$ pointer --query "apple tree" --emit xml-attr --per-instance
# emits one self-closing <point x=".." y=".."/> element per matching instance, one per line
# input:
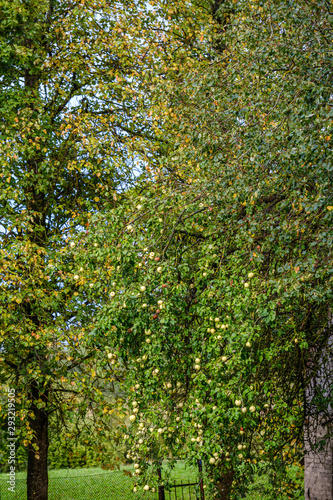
<point x="221" y="293"/>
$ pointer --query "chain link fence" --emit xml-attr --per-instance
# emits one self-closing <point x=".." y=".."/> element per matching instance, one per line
<point x="88" y="484"/>
<point x="113" y="485"/>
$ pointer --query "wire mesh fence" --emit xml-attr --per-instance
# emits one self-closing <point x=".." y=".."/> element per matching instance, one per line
<point x="91" y="484"/>
<point x="182" y="491"/>
<point x="113" y="485"/>
<point x="190" y="489"/>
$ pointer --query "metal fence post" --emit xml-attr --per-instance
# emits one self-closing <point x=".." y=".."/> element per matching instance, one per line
<point x="161" y="494"/>
<point x="202" y="493"/>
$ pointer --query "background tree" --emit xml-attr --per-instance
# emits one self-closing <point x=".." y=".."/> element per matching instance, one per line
<point x="70" y="123"/>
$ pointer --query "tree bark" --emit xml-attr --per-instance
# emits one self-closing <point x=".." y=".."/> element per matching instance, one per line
<point x="318" y="460"/>
<point x="37" y="479"/>
<point x="224" y="485"/>
<point x="318" y="470"/>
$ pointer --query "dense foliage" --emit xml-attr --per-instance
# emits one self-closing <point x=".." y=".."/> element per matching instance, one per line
<point x="74" y="116"/>
<point x="221" y="289"/>
<point x="166" y="213"/>
<point x="69" y="125"/>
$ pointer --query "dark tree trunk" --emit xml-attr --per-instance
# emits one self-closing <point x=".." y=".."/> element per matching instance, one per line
<point x="37" y="480"/>
<point x="224" y="485"/>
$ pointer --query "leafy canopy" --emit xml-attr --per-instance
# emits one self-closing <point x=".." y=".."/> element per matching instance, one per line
<point x="222" y="285"/>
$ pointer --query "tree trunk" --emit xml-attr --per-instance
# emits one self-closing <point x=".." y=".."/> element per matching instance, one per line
<point x="318" y="470"/>
<point x="318" y="460"/>
<point x="224" y="485"/>
<point x="37" y="480"/>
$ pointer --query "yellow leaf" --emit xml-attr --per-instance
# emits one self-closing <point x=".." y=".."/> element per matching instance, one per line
<point x="330" y="208"/>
